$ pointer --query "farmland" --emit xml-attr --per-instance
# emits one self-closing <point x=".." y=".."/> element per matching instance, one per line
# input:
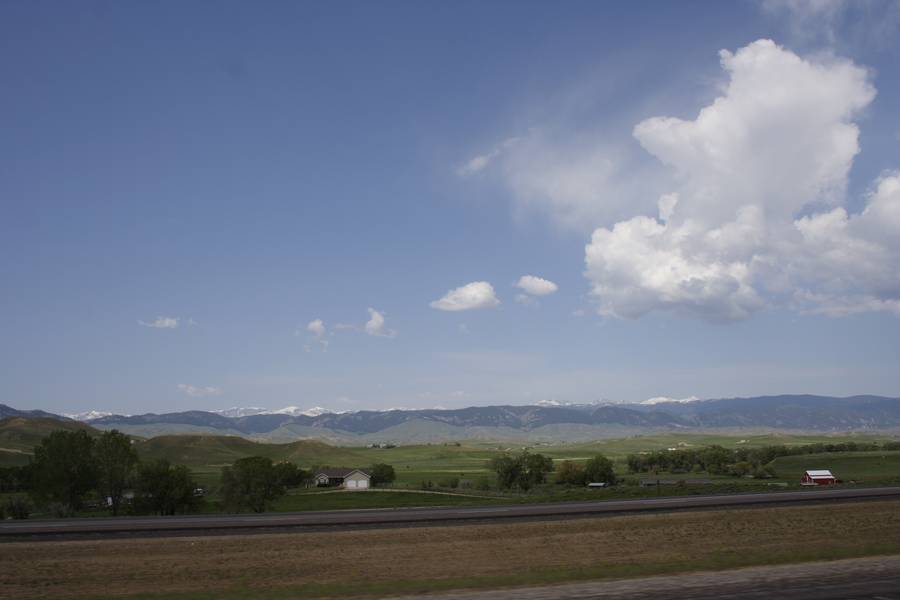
<point x="412" y="560"/>
<point x="206" y="455"/>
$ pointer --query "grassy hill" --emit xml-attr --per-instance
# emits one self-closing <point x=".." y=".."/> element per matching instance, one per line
<point x="207" y="454"/>
<point x="19" y="436"/>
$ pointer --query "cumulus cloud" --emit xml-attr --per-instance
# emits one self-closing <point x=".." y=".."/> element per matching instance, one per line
<point x="161" y="323"/>
<point x="478" y="294"/>
<point x="758" y="212"/>
<point x="536" y="286"/>
<point x="319" y="332"/>
<point x="316" y="327"/>
<point x="375" y="325"/>
<point x="198" y="391"/>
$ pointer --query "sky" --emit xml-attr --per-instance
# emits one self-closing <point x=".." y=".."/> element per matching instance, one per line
<point x="402" y="204"/>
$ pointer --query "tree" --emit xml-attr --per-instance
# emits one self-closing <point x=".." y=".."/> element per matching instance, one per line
<point x="254" y="482"/>
<point x="164" y="489"/>
<point x="64" y="469"/>
<point x="382" y="474"/>
<point x="523" y="470"/>
<point x="290" y="475"/>
<point x="570" y="473"/>
<point x="599" y="470"/>
<point x="116" y="460"/>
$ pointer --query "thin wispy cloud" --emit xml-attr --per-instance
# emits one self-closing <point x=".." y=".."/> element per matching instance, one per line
<point x="195" y="391"/>
<point x="161" y="323"/>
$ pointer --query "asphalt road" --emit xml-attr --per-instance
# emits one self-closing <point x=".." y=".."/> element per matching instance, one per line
<point x="400" y="517"/>
<point x="876" y="578"/>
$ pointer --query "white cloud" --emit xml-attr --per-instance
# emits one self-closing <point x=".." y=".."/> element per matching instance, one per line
<point x="478" y="294"/>
<point x="375" y="325"/>
<point x="199" y="391"/>
<point x="536" y="286"/>
<point x="480" y="162"/>
<point x="162" y="323"/>
<point x="757" y="216"/>
<point x="579" y="182"/>
<point x="839" y="23"/>
<point x="316" y="327"/>
<point x="319" y="332"/>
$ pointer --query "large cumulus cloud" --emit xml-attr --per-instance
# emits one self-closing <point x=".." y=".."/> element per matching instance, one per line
<point x="758" y="215"/>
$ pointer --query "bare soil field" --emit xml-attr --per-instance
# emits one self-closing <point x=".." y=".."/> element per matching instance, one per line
<point x="420" y="559"/>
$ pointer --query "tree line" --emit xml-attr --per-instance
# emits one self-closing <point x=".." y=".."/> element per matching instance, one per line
<point x="523" y="471"/>
<point x="72" y="471"/>
<point x="71" y="467"/>
<point x="739" y="461"/>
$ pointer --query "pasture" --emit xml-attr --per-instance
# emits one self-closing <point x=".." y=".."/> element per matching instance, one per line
<point x="862" y="467"/>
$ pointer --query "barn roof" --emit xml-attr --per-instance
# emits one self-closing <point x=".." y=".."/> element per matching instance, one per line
<point x="819" y="473"/>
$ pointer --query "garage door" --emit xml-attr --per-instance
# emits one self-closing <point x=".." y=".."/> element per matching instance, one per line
<point x="351" y="483"/>
<point x="363" y="484"/>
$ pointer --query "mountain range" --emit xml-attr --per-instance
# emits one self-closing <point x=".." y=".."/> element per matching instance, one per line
<point x="549" y="422"/>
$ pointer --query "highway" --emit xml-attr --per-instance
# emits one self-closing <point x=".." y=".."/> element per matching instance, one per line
<point x="100" y="527"/>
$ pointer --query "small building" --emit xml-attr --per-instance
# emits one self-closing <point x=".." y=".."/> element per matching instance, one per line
<point x="351" y="479"/>
<point x="818" y="477"/>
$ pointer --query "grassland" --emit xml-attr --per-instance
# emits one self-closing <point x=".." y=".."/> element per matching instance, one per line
<point x="394" y="561"/>
<point x="862" y="467"/>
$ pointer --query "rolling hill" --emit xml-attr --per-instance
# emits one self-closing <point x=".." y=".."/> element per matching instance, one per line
<point x="569" y="423"/>
<point x="19" y="435"/>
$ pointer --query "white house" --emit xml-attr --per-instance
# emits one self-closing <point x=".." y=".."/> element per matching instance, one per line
<point x="351" y="479"/>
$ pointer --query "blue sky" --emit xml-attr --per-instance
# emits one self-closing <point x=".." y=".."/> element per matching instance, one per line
<point x="218" y="204"/>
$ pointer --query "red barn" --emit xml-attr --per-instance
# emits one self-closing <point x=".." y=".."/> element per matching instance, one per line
<point x="823" y="477"/>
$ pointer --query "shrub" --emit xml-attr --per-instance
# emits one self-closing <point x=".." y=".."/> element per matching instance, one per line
<point x="382" y="474"/>
<point x="17" y="507"/>
<point x="570" y="473"/>
<point x="60" y="510"/>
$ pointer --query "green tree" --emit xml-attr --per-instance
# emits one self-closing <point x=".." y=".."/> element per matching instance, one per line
<point x="116" y="460"/>
<point x="290" y="475"/>
<point x="164" y="489"/>
<point x="252" y="483"/>
<point x="382" y="473"/>
<point x="599" y="469"/>
<point x="64" y="469"/>
<point x="570" y="473"/>
<point x="523" y="470"/>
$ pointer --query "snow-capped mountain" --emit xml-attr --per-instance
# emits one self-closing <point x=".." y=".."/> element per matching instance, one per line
<point x="667" y="400"/>
<point x="292" y="411"/>
<point x="239" y="411"/>
<point x="296" y="411"/>
<point x="88" y="415"/>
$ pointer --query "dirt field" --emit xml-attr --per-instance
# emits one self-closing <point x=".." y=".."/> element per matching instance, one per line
<point x="404" y="561"/>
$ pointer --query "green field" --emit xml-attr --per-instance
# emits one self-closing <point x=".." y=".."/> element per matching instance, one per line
<point x="435" y="465"/>
<point x="862" y="467"/>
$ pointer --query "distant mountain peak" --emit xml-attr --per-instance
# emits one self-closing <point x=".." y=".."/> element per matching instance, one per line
<point x="667" y="400"/>
<point x="241" y="411"/>
<point x="88" y="415"/>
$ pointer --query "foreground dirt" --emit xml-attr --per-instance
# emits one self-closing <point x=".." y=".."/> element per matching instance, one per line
<point x="411" y="560"/>
<point x="858" y="578"/>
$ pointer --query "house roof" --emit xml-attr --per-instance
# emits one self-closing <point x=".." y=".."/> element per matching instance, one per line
<point x="341" y="472"/>
<point x="820" y="473"/>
